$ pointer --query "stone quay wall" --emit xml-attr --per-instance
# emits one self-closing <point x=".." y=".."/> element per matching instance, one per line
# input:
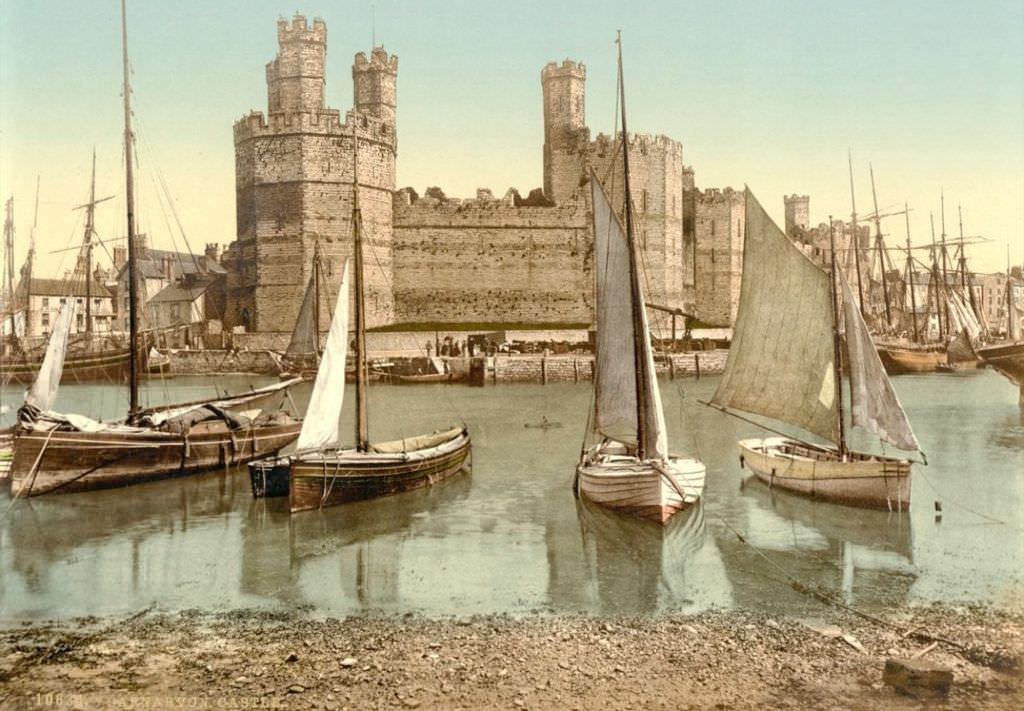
<point x="579" y="368"/>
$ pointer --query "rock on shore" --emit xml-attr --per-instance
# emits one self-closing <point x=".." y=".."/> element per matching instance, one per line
<point x="727" y="659"/>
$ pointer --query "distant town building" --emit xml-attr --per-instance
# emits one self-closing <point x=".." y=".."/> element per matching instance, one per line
<point x="45" y="297"/>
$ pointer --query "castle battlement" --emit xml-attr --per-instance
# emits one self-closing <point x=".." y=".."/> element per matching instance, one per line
<point x="379" y="62"/>
<point x="298" y="30"/>
<point x="719" y="196"/>
<point x="326" y="121"/>
<point x="796" y="198"/>
<point x="568" y="68"/>
<point x="642" y="142"/>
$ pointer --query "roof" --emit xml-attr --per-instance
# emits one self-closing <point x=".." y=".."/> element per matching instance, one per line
<point x="67" y="287"/>
<point x="176" y="292"/>
<point x="151" y="266"/>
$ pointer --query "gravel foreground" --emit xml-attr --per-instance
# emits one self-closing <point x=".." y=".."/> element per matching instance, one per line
<point x="723" y="659"/>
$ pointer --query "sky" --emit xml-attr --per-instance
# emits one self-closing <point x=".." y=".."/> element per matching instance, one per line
<point x="770" y="94"/>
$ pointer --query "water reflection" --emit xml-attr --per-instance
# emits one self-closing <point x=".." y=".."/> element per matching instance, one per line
<point x="864" y="555"/>
<point x="510" y="537"/>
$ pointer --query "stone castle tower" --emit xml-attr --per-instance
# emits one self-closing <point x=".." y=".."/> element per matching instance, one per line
<point x="294" y="171"/>
<point x="565" y="129"/>
<point x="798" y="214"/>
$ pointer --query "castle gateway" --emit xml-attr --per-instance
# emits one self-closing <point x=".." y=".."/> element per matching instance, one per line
<point x="433" y="260"/>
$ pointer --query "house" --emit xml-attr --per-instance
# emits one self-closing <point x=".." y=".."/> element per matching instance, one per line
<point x="159" y="269"/>
<point x="45" y="297"/>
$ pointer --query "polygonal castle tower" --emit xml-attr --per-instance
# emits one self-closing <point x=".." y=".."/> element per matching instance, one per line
<point x="294" y="190"/>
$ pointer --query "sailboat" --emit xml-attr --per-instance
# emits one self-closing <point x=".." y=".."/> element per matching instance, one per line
<point x="61" y="453"/>
<point x="90" y="356"/>
<point x="785" y="363"/>
<point x="321" y="472"/>
<point x="1008" y="356"/>
<point x="302" y="355"/>
<point x="630" y="467"/>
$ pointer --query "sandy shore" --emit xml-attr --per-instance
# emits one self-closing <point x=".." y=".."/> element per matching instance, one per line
<point x="730" y="659"/>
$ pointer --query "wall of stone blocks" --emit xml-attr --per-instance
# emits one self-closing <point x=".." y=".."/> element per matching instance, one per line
<point x="485" y="261"/>
<point x="718" y="253"/>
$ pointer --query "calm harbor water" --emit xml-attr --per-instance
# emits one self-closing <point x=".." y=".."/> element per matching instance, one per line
<point x="510" y="537"/>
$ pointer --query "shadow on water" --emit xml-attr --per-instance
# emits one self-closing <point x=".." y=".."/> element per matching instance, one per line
<point x="865" y="557"/>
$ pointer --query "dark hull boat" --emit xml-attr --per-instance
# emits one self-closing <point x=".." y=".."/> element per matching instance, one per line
<point x="57" y="461"/>
<point x="93" y="366"/>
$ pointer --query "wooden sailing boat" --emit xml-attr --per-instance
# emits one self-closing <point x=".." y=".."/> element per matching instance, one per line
<point x="89" y="356"/>
<point x="1008" y="357"/>
<point x="785" y="363"/>
<point x="321" y="473"/>
<point x="59" y="453"/>
<point x="629" y="468"/>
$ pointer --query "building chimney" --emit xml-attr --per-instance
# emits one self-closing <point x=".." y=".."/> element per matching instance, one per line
<point x="169" y="268"/>
<point x="120" y="258"/>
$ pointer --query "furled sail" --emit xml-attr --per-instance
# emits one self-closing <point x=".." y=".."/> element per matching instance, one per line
<point x="781" y="361"/>
<point x="320" y="426"/>
<point x="303" y="341"/>
<point x="43" y="392"/>
<point x="616" y="379"/>
<point x="873" y="401"/>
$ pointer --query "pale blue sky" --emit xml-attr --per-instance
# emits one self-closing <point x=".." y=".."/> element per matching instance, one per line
<point x="771" y="94"/>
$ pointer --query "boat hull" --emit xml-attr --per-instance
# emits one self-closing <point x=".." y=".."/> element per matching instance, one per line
<point x="901" y="361"/>
<point x="102" y="366"/>
<point x="66" y="462"/>
<point x="867" y="481"/>
<point x="1007" y="358"/>
<point x="652" y="489"/>
<point x="6" y="454"/>
<point x="333" y="478"/>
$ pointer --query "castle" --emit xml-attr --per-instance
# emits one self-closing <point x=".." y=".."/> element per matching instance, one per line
<point x="434" y="260"/>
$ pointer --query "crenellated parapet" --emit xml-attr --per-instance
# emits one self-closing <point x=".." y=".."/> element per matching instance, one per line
<point x="374" y="84"/>
<point x="568" y="69"/>
<point x="719" y="196"/>
<point x="300" y="31"/>
<point x="326" y="123"/>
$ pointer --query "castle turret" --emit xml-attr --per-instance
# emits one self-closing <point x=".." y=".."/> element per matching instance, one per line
<point x="295" y="79"/>
<point x="565" y="133"/>
<point x="797" y="214"/>
<point x="373" y="82"/>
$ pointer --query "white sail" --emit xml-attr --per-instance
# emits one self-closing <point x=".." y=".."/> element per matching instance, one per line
<point x="43" y="392"/>
<point x="616" y="386"/>
<point x="873" y="401"/>
<point x="781" y="361"/>
<point x="320" y="426"/>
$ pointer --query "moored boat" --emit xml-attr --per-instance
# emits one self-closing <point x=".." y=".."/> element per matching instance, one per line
<point x="785" y="363"/>
<point x="61" y="453"/>
<point x="628" y="466"/>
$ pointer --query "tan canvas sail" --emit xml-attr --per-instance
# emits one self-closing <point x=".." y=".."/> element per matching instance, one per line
<point x="320" y="426"/>
<point x="43" y="392"/>
<point x="781" y="362"/>
<point x="873" y="401"/>
<point x="303" y="341"/>
<point x="616" y="387"/>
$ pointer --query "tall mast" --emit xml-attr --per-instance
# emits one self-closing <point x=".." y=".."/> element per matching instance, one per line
<point x="965" y="276"/>
<point x="26" y="271"/>
<point x="880" y="248"/>
<point x="836" y="354"/>
<point x="90" y="215"/>
<point x="316" y="301"/>
<point x="362" y="436"/>
<point x="910" y="277"/>
<point x="855" y="240"/>
<point x="129" y="179"/>
<point x="639" y="355"/>
<point x="934" y="278"/>
<point x="945" y="259"/>
<point x="9" y="252"/>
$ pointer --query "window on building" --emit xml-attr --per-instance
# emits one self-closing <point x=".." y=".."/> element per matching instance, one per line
<point x="45" y="318"/>
<point x="62" y="299"/>
<point x="46" y="302"/>
<point x="96" y="303"/>
<point x="79" y="302"/>
<point x="80" y="321"/>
